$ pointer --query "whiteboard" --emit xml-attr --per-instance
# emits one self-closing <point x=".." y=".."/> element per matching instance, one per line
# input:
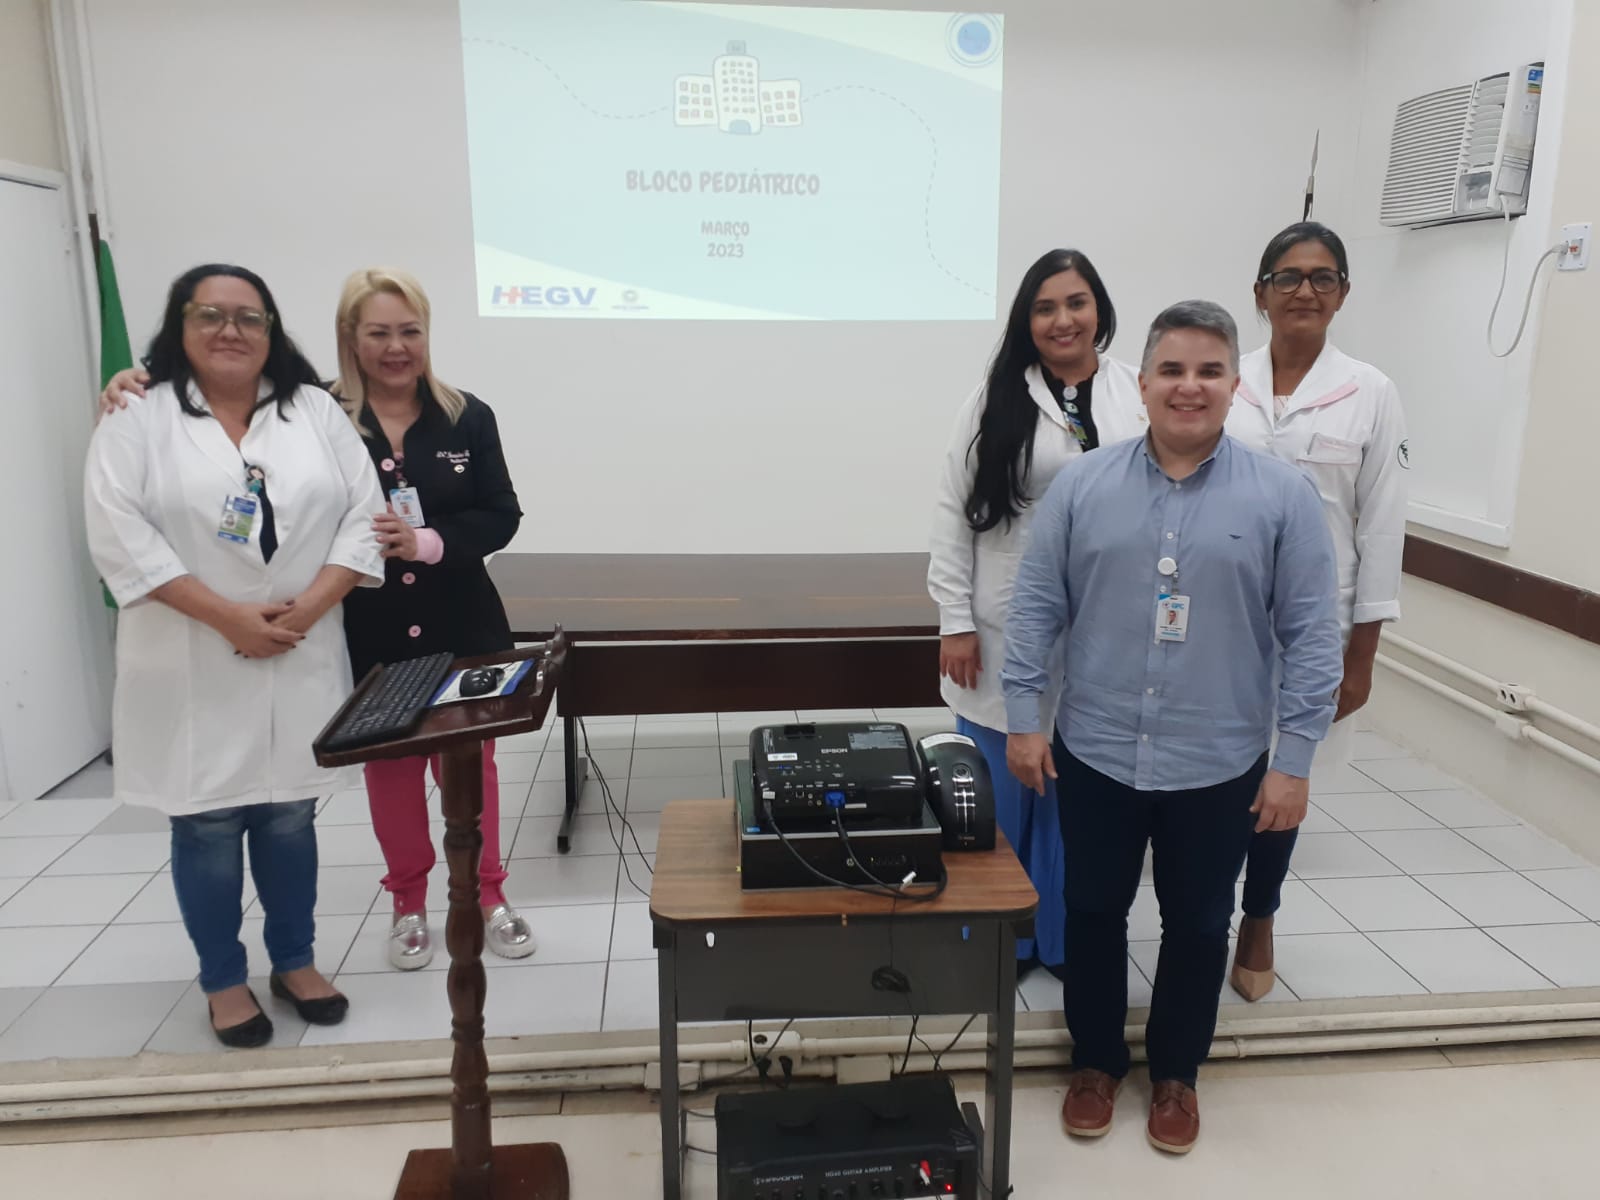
<point x="55" y="650"/>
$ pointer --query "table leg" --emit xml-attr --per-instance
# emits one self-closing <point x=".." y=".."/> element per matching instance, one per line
<point x="576" y="773"/>
<point x="671" y="1119"/>
<point x="999" y="1050"/>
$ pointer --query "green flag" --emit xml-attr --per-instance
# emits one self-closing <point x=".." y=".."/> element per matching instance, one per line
<point x="115" y="352"/>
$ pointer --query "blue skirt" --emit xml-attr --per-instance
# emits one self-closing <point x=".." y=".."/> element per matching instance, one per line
<point x="1033" y="827"/>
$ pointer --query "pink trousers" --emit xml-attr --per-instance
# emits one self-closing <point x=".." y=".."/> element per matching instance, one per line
<point x="398" y="796"/>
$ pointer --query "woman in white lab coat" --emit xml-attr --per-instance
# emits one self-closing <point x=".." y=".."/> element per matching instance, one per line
<point x="1340" y="421"/>
<point x="230" y="511"/>
<point x="1050" y="396"/>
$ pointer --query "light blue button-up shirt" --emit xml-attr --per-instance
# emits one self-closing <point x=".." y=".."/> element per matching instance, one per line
<point x="1254" y="557"/>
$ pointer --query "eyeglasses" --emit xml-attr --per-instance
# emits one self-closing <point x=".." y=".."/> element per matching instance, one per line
<point x="1287" y="282"/>
<point x="250" y="322"/>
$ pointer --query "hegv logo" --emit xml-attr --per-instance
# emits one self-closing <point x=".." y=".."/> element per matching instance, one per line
<point x="523" y="296"/>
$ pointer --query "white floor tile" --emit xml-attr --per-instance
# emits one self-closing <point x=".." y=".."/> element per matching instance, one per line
<point x="348" y="846"/>
<point x="91" y="1022"/>
<point x="1391" y="903"/>
<point x="632" y="996"/>
<point x="1578" y="886"/>
<point x="663" y="732"/>
<point x="1042" y="990"/>
<point x="1459" y="960"/>
<point x="71" y="900"/>
<point x="617" y="735"/>
<point x="1365" y="745"/>
<point x="527" y="743"/>
<point x="1524" y="849"/>
<point x="134" y="818"/>
<point x="1144" y="918"/>
<point x="7" y="807"/>
<point x="549" y="998"/>
<point x="549" y="798"/>
<point x="613" y="765"/>
<point x="632" y="932"/>
<point x="1410" y="775"/>
<point x="107" y="853"/>
<point x="1341" y="779"/>
<point x="1430" y="851"/>
<point x="1364" y="811"/>
<point x="679" y="762"/>
<point x="592" y="833"/>
<point x="1146" y="957"/>
<point x="1502" y="898"/>
<point x="1337" y="855"/>
<point x="652" y="795"/>
<point x="187" y="1028"/>
<point x="1567" y="954"/>
<point x="135" y="954"/>
<point x="10" y="887"/>
<point x="157" y="902"/>
<point x="390" y="1007"/>
<point x="14" y="1001"/>
<point x="36" y="957"/>
<point x="1460" y="809"/>
<point x="25" y="857"/>
<point x="341" y="891"/>
<point x="565" y="879"/>
<point x="345" y="808"/>
<point x="1318" y="821"/>
<point x="1303" y="911"/>
<point x="516" y="768"/>
<point x="94" y="782"/>
<point x="1326" y="966"/>
<point x="56" y="818"/>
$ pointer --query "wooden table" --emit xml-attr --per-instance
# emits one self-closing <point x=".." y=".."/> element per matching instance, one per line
<point x="672" y="633"/>
<point x="727" y="954"/>
<point x="473" y="1168"/>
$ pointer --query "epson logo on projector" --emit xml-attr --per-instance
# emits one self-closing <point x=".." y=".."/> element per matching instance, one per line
<point x="541" y="297"/>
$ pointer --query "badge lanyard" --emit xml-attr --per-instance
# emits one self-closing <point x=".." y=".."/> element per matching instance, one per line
<point x="405" y="499"/>
<point x="1069" y="411"/>
<point x="1172" y="609"/>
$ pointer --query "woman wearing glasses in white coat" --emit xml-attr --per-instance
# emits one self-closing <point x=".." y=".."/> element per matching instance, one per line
<point x="1051" y="395"/>
<point x="1340" y="421"/>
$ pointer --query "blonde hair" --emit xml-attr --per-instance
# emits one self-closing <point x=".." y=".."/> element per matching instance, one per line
<point x="351" y="386"/>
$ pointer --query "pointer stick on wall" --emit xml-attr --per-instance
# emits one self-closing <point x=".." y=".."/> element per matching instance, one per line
<point x="1311" y="180"/>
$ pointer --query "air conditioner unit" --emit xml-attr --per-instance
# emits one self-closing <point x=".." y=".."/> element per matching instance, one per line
<point x="1463" y="153"/>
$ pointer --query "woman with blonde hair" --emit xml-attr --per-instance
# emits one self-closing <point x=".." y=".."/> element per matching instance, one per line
<point x="437" y="453"/>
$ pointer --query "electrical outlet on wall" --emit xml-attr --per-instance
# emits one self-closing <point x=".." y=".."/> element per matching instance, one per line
<point x="1514" y="696"/>
<point x="1575" y="247"/>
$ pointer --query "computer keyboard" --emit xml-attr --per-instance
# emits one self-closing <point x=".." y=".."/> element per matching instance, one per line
<point x="393" y="705"/>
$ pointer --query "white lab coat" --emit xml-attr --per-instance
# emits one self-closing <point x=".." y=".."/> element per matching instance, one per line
<point x="194" y="726"/>
<point x="970" y="576"/>
<point x="1344" y="427"/>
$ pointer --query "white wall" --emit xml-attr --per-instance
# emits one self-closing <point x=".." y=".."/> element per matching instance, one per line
<point x="28" y="132"/>
<point x="1161" y="136"/>
<point x="1421" y="297"/>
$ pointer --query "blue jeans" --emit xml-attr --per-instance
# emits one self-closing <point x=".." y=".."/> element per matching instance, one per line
<point x="1198" y="840"/>
<point x="208" y="875"/>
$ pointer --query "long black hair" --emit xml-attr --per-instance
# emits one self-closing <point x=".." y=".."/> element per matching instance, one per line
<point x="1004" y="442"/>
<point x="166" y="361"/>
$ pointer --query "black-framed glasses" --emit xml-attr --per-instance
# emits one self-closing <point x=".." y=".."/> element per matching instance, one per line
<point x="208" y="319"/>
<point x="1324" y="280"/>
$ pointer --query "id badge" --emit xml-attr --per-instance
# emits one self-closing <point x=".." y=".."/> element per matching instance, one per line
<point x="1172" y="619"/>
<point x="238" y="519"/>
<point x="407" y="506"/>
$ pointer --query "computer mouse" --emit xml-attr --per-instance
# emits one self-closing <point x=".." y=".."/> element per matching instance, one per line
<point x="480" y="681"/>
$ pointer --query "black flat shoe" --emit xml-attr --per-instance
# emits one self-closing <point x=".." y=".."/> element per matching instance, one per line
<point x="324" y="1010"/>
<point x="246" y="1035"/>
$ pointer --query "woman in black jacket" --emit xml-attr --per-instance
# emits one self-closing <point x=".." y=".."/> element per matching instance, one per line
<point x="437" y="451"/>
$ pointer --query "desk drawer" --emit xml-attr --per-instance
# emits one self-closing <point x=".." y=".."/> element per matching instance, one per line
<point x="818" y="969"/>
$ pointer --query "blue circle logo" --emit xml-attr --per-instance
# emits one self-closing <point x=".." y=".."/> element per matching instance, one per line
<point x="973" y="38"/>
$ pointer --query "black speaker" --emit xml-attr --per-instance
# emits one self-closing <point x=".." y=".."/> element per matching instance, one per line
<point x="960" y="790"/>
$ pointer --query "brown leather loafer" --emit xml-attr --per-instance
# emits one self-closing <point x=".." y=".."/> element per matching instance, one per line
<point x="1253" y="975"/>
<point x="1091" y="1095"/>
<point x="1174" y="1124"/>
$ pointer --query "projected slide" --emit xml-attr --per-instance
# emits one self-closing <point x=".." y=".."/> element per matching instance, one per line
<point x="643" y="159"/>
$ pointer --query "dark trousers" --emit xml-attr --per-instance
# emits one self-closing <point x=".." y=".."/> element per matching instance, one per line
<point x="1265" y="870"/>
<point x="1199" y="839"/>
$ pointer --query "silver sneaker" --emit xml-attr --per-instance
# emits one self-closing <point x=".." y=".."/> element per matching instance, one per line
<point x="508" y="934"/>
<point x="410" y="947"/>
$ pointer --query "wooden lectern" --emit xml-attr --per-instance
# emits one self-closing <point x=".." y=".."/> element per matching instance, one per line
<point x="473" y="1168"/>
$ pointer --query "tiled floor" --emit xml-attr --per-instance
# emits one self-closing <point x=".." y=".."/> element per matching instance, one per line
<point x="1405" y="883"/>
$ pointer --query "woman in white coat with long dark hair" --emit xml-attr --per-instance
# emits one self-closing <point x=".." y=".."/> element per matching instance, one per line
<point x="1051" y="395"/>
<point x="230" y="511"/>
<point x="1338" y="419"/>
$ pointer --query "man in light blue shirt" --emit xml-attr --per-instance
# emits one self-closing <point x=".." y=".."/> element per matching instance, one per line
<point x="1193" y="583"/>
